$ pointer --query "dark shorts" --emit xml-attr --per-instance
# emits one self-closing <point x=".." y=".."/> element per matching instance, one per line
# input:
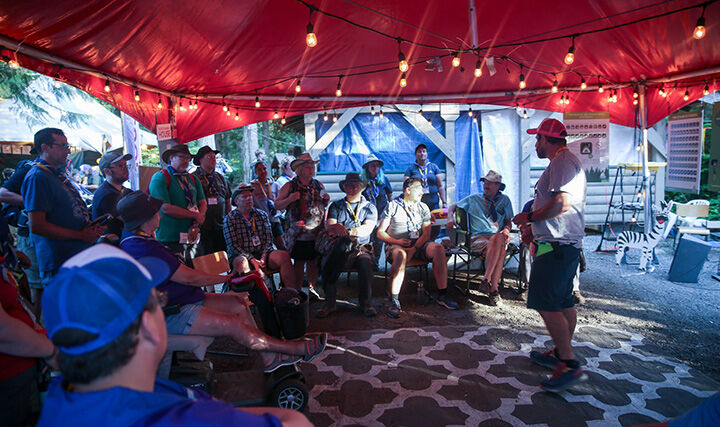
<point x="304" y="250"/>
<point x="277" y="229"/>
<point x="551" y="279"/>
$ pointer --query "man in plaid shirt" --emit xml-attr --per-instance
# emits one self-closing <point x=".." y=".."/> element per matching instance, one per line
<point x="249" y="239"/>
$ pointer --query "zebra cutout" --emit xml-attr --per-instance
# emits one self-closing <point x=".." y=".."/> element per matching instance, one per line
<point x="645" y="242"/>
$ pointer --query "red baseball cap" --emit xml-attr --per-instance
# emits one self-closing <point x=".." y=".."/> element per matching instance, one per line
<point x="550" y="127"/>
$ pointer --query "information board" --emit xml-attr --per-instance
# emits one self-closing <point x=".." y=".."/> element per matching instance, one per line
<point x="684" y="151"/>
<point x="588" y="138"/>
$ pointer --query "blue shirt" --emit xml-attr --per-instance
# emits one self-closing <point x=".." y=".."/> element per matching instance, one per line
<point x="479" y="211"/>
<point x="378" y="193"/>
<point x="169" y="404"/>
<point x="49" y="190"/>
<point x="427" y="175"/>
<point x="352" y="215"/>
<point x="140" y="247"/>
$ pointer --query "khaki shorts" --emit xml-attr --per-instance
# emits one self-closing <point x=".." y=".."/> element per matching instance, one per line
<point x="419" y="254"/>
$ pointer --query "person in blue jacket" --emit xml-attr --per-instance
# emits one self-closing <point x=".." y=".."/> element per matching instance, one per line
<point x="103" y="313"/>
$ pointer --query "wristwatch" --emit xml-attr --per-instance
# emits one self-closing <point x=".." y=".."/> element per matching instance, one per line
<point x="529" y="216"/>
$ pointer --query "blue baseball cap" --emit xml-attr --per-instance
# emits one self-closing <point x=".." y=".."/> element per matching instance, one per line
<point x="102" y="291"/>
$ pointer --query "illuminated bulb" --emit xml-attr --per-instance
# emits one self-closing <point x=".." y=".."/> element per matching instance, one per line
<point x="583" y="85"/>
<point x="429" y="120"/>
<point x="237" y="115"/>
<point x="338" y="91"/>
<point x="182" y="107"/>
<point x="276" y="115"/>
<point x="402" y="63"/>
<point x="195" y="106"/>
<point x="567" y="99"/>
<point x="470" y="112"/>
<point x="525" y="114"/>
<point x="227" y="113"/>
<point x="522" y="81"/>
<point x="283" y="121"/>
<point x="137" y="96"/>
<point x="561" y="100"/>
<point x="478" y="68"/>
<point x="456" y="59"/>
<point x="687" y="95"/>
<point x="257" y="102"/>
<point x="107" y="85"/>
<point x="609" y="98"/>
<point x="297" y="87"/>
<point x="420" y="112"/>
<point x="334" y="118"/>
<point x="372" y="110"/>
<point x="325" y="117"/>
<point x="225" y="107"/>
<point x="706" y="90"/>
<point x="474" y="119"/>
<point x="57" y="82"/>
<point x="662" y="92"/>
<point x="518" y="109"/>
<point x="635" y="93"/>
<point x="699" y="31"/>
<point x="615" y="97"/>
<point x="635" y="102"/>
<point x="311" y="38"/>
<point x="555" y="86"/>
<point x="570" y="57"/>
<point x="13" y="64"/>
<point x="381" y="113"/>
<point x="600" y="88"/>
<point x="638" y="147"/>
<point x="160" y="106"/>
<point x="403" y="80"/>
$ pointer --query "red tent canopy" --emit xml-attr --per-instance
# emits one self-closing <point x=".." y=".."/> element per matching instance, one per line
<point x="188" y="51"/>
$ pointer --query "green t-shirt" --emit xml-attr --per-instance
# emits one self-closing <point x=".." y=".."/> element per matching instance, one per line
<point x="170" y="228"/>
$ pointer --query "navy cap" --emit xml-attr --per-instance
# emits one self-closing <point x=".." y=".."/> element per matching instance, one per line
<point x="102" y="291"/>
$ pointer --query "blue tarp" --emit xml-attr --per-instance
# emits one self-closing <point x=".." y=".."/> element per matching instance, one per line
<point x="393" y="140"/>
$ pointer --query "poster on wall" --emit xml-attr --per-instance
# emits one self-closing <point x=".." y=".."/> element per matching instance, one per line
<point x="684" y="151"/>
<point x="588" y="138"/>
<point x="714" y="161"/>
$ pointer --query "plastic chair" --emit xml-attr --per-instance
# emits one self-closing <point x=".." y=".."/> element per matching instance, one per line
<point x="688" y="219"/>
<point x="215" y="263"/>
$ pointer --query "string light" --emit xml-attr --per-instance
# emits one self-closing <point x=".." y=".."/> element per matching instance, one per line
<point x="257" y="102"/>
<point x="429" y="120"/>
<point x="137" y="95"/>
<point x="297" y="87"/>
<point x="310" y="38"/>
<point x="706" y="90"/>
<point x="325" y="116"/>
<point x="107" y="85"/>
<point x="160" y="104"/>
<point x="195" y="106"/>
<point x="403" y="80"/>
<point x="699" y="31"/>
<point x="517" y="108"/>
<point x="381" y="112"/>
<point x="338" y="91"/>
<point x="225" y="107"/>
<point x="334" y="118"/>
<point x="555" y="85"/>
<point x="525" y="114"/>
<point x="478" y="68"/>
<point x="402" y="62"/>
<point x="583" y="85"/>
<point x="570" y="56"/>
<point x="635" y="93"/>
<point x="456" y="59"/>
<point x="283" y="121"/>
<point x="227" y="113"/>
<point x="372" y="110"/>
<point x="474" y="119"/>
<point x="276" y="115"/>
<point x="420" y="112"/>
<point x="182" y="107"/>
<point x="57" y="81"/>
<point x="615" y="96"/>
<point x="567" y="99"/>
<point x="662" y="92"/>
<point x="635" y="102"/>
<point x="237" y="115"/>
<point x="522" y="79"/>
<point x="609" y="97"/>
<point x="687" y="95"/>
<point x="470" y="112"/>
<point x="600" y="87"/>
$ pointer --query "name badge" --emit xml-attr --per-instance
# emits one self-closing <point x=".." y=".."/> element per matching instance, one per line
<point x="184" y="238"/>
<point x="193" y="208"/>
<point x="255" y="241"/>
<point x="426" y="190"/>
<point x="414" y="234"/>
<point x="212" y="201"/>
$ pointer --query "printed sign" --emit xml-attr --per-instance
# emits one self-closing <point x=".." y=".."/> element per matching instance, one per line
<point x="588" y="138"/>
<point x="684" y="154"/>
<point x="131" y="137"/>
<point x="164" y="132"/>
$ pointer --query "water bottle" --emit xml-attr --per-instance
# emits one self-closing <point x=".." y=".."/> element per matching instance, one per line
<point x="420" y="298"/>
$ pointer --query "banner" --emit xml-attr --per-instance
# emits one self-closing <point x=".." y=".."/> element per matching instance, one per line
<point x="684" y="153"/>
<point x="131" y="138"/>
<point x="713" y="164"/>
<point x="589" y="139"/>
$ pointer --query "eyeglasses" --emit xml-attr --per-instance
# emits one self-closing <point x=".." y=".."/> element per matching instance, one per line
<point x="63" y="146"/>
<point x="184" y="156"/>
<point x="118" y="166"/>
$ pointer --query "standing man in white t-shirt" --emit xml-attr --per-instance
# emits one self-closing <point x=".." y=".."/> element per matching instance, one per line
<point x="558" y="226"/>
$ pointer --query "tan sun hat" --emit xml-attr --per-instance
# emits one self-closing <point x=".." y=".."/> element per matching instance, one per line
<point x="303" y="158"/>
<point x="493" y="176"/>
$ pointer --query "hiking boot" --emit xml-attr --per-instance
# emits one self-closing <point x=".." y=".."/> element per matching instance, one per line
<point x="495" y="298"/>
<point x="325" y="311"/>
<point x="313" y="346"/>
<point x="547" y="359"/>
<point x="563" y="377"/>
<point x="578" y="298"/>
<point x="447" y="302"/>
<point x="394" y="310"/>
<point x="281" y="359"/>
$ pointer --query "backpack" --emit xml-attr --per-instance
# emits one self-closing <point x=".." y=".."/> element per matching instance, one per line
<point x="168" y="179"/>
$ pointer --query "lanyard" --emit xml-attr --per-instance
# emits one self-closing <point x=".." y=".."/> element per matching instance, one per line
<point x="269" y="194"/>
<point x="245" y="220"/>
<point x="355" y="212"/>
<point x="183" y="181"/>
<point x="492" y="208"/>
<point x="65" y="180"/>
<point x="412" y="226"/>
<point x="210" y="181"/>
<point x="423" y="174"/>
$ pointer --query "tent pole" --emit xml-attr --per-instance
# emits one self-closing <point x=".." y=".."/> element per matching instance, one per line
<point x="647" y="207"/>
<point x="473" y="22"/>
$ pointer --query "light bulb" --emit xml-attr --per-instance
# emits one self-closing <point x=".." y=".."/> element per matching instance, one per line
<point x="474" y="119"/>
<point x="196" y="105"/>
<point x="227" y="113"/>
<point x="525" y="114"/>
<point x="706" y="90"/>
<point x="687" y="95"/>
<point x="297" y="87"/>
<point x="372" y="110"/>
<point x="518" y="109"/>
<point x="555" y="86"/>
<point x="561" y="100"/>
<point x="420" y="112"/>
<point x="13" y="64"/>
<point x="699" y="31"/>
<point x="311" y="38"/>
<point x="635" y="93"/>
<point x="583" y="85"/>
<point x="403" y="80"/>
<point x="470" y="112"/>
<point x="160" y="105"/>
<point x="615" y="97"/>
<point x="338" y="91"/>
<point x="237" y="115"/>
<point x="57" y="82"/>
<point x="334" y="118"/>
<point x="107" y="85"/>
<point x="137" y="96"/>
<point x="276" y="115"/>
<point x="635" y="102"/>
<point x="325" y="117"/>
<point x="381" y="113"/>
<point x="456" y="60"/>
<point x="478" y="68"/>
<point x="283" y="121"/>
<point x="182" y="107"/>
<point x="570" y="57"/>
<point x="662" y="92"/>
<point x="522" y="81"/>
<point x="567" y="99"/>
<point x="429" y="120"/>
<point x="600" y="88"/>
<point x="257" y="102"/>
<point x="402" y="63"/>
<point x="225" y="107"/>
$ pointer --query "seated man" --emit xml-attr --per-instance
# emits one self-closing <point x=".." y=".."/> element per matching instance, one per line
<point x="352" y="218"/>
<point x="249" y="239"/>
<point x="104" y="315"/>
<point x="195" y="312"/>
<point x="405" y="228"/>
<point x="490" y="221"/>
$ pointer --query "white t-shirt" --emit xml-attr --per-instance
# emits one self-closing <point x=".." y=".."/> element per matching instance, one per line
<point x="564" y="175"/>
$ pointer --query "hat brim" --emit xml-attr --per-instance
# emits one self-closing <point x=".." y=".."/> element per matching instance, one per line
<point x="502" y="185"/>
<point x="373" y="160"/>
<point x="297" y="162"/>
<point x="532" y="131"/>
<point x="198" y="157"/>
<point x="341" y="184"/>
<point x="237" y="192"/>
<point x="171" y="151"/>
<point x="155" y="205"/>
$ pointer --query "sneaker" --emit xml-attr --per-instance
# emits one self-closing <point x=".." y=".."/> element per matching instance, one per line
<point x="368" y="311"/>
<point x="547" y="359"/>
<point x="313" y="346"/>
<point x="394" y="309"/>
<point x="495" y="299"/>
<point x="281" y="359"/>
<point x="325" y="311"/>
<point x="579" y="299"/>
<point x="564" y="377"/>
<point x="447" y="302"/>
